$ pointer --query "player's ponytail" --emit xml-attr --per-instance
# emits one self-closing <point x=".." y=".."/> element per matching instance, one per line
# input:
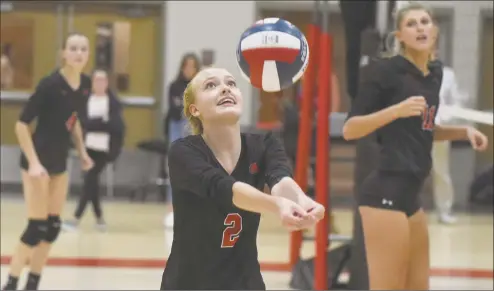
<point x="195" y="123"/>
<point x="433" y="53"/>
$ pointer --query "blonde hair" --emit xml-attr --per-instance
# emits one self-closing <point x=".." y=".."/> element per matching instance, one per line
<point x="195" y="124"/>
<point x="399" y="47"/>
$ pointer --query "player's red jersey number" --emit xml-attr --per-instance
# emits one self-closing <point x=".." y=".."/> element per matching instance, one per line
<point x="428" y="118"/>
<point x="231" y="234"/>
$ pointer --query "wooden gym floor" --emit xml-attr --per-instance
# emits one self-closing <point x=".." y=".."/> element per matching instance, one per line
<point x="131" y="253"/>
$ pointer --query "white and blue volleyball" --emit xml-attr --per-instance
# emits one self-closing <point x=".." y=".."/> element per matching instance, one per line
<point x="272" y="54"/>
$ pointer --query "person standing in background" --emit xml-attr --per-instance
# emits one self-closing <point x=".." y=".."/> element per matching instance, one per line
<point x="104" y="129"/>
<point x="443" y="187"/>
<point x="175" y="123"/>
<point x="6" y="68"/>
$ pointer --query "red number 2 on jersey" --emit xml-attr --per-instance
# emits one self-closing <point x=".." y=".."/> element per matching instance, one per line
<point x="428" y="118"/>
<point x="231" y="234"/>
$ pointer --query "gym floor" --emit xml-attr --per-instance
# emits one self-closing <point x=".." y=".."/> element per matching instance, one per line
<point x="131" y="253"/>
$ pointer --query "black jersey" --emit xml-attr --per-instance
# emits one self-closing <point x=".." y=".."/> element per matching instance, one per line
<point x="214" y="242"/>
<point x="56" y="106"/>
<point x="405" y="143"/>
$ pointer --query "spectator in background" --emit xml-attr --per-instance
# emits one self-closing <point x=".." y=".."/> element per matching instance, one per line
<point x="175" y="123"/>
<point x="6" y="68"/>
<point x="443" y="186"/>
<point x="104" y="129"/>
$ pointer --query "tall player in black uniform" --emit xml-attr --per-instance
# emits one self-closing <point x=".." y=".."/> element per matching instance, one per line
<point x="217" y="176"/>
<point x="55" y="104"/>
<point x="399" y="101"/>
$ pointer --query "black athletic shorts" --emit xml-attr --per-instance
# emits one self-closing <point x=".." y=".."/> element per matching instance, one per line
<point x="54" y="160"/>
<point x="392" y="190"/>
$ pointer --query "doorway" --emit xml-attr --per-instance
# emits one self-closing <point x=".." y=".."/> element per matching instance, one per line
<point x="125" y="39"/>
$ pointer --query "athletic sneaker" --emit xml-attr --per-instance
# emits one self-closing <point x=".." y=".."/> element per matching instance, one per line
<point x="447" y="218"/>
<point x="70" y="225"/>
<point x="101" y="225"/>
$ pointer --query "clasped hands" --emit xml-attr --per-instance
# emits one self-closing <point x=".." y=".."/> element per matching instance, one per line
<point x="296" y="210"/>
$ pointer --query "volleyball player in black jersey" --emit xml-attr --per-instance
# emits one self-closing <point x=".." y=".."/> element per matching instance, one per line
<point x="399" y="101"/>
<point x="55" y="103"/>
<point x="217" y="175"/>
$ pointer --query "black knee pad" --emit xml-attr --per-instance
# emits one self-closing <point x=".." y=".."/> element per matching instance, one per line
<point x="53" y="228"/>
<point x="35" y="232"/>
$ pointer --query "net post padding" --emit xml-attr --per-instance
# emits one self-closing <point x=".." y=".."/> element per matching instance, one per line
<point x="306" y="121"/>
<point x="321" y="268"/>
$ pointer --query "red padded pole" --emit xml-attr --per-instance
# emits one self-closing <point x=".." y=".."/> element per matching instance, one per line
<point x="305" y="125"/>
<point x="322" y="153"/>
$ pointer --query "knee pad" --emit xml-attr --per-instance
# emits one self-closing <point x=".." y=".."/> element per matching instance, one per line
<point x="53" y="228"/>
<point x="35" y="231"/>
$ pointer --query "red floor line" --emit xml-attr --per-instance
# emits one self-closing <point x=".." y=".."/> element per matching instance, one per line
<point x="274" y="267"/>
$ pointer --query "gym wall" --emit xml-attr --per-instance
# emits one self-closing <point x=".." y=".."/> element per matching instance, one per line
<point x="180" y="26"/>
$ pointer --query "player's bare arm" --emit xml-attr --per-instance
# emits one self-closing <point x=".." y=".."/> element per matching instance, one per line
<point x="477" y="139"/>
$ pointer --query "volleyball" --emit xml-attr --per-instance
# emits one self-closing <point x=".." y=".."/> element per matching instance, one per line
<point x="272" y="54"/>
